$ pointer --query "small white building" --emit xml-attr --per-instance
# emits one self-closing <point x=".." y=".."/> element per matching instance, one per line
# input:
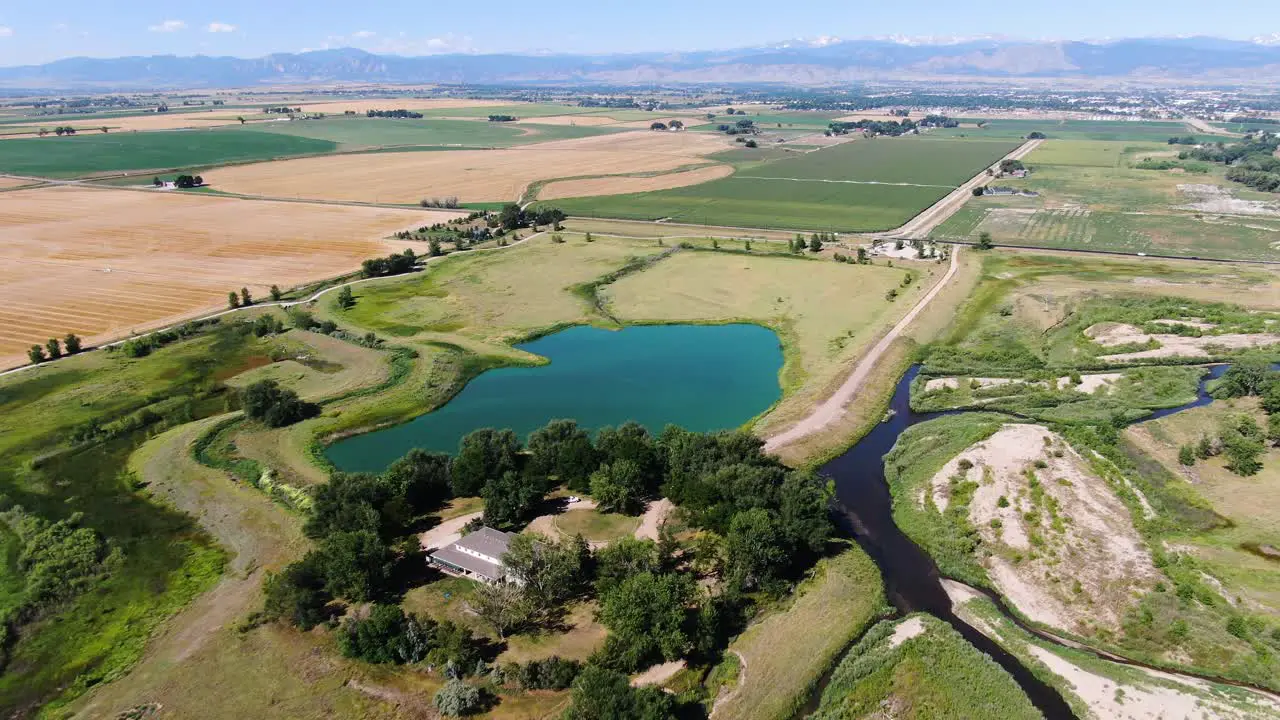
<point x="477" y="555"/>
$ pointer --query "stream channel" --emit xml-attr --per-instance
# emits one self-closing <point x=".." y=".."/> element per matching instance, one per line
<point x="911" y="578"/>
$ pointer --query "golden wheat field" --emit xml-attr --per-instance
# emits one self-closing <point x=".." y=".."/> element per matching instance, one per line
<point x="470" y="175"/>
<point x="104" y="263"/>
<point x="361" y="106"/>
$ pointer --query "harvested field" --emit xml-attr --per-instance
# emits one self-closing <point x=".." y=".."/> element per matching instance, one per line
<point x="423" y="104"/>
<point x="622" y="184"/>
<point x="125" y="261"/>
<point x="568" y="120"/>
<point x="471" y="175"/>
<point x="12" y="182"/>
<point x="142" y="123"/>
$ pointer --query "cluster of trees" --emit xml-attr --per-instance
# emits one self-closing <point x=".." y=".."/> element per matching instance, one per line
<point x="275" y="406"/>
<point x="1008" y="165"/>
<point x="393" y="264"/>
<point x="185" y="182"/>
<point x="514" y="217"/>
<point x="938" y="121"/>
<point x="1254" y="120"/>
<point x="239" y="299"/>
<point x="814" y="244"/>
<point x="59" y="131"/>
<point x="1240" y="438"/>
<point x="503" y="118"/>
<point x="859" y="259"/>
<point x="399" y="114"/>
<point x="281" y="110"/>
<point x="893" y="128"/>
<point x="53" y="349"/>
<point x="1036" y="135"/>
<point x="445" y="202"/>
<point x="1253" y="162"/>
<point x="741" y="127"/>
<point x="1184" y="140"/>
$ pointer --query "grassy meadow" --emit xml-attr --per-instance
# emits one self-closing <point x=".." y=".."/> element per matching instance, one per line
<point x="863" y="185"/>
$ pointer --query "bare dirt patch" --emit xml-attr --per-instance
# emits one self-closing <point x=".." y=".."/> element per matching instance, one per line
<point x="1116" y="334"/>
<point x="620" y="184"/>
<point x="470" y="175"/>
<point x="1090" y="384"/>
<point x="658" y="674"/>
<point x="905" y="630"/>
<point x="1065" y="551"/>
<point x="1217" y="199"/>
<point x="128" y="261"/>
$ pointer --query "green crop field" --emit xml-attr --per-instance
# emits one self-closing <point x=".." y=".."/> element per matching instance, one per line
<point x="117" y="152"/>
<point x="375" y="132"/>
<point x="1122" y="130"/>
<point x="864" y="185"/>
<point x="1091" y="197"/>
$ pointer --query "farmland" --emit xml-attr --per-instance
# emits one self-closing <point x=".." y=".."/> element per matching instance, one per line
<point x="1102" y="130"/>
<point x="1093" y="197"/>
<point x="121" y="264"/>
<point x="98" y="153"/>
<point x="863" y="185"/>
<point x="357" y="132"/>
<point x="472" y="175"/>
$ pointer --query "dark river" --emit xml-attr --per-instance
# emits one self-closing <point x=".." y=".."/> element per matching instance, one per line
<point x="911" y="578"/>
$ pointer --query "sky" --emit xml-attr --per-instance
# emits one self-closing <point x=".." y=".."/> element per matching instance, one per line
<point x="33" y="33"/>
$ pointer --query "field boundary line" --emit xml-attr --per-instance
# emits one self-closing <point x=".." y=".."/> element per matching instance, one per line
<point x="283" y="304"/>
<point x="833" y="408"/>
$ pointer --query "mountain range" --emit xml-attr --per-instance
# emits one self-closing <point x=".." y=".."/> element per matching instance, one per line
<point x="830" y="61"/>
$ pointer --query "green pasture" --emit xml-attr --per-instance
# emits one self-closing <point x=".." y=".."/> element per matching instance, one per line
<point x="1113" y="130"/>
<point x="87" y="154"/>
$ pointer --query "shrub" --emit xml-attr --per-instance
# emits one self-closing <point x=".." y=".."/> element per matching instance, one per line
<point x="457" y="699"/>
<point x="275" y="406"/>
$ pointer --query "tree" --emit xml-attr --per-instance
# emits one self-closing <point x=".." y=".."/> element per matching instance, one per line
<point x="355" y="565"/>
<point x="157" y="182"/>
<point x="803" y="513"/>
<point x="510" y="499"/>
<point x="1035" y="135"/>
<point x="1273" y="429"/>
<point x="658" y="126"/>
<point x="1247" y="376"/>
<point x="511" y="217"/>
<point x="352" y="502"/>
<point x="346" y="300"/>
<point x="979" y="191"/>
<point x="241" y="119"/>
<point x="483" y="455"/>
<point x="504" y="606"/>
<point x="755" y="547"/>
<point x="619" y="487"/>
<point x="623" y="558"/>
<point x="632" y="441"/>
<point x="297" y="594"/>
<point x="376" y="638"/>
<point x="647" y="616"/>
<point x="54" y="347"/>
<point x="245" y="298"/>
<point x="862" y="256"/>
<point x="458" y="699"/>
<point x="815" y="245"/>
<point x="267" y="402"/>
<point x="233" y="300"/>
<point x="984" y="241"/>
<point x="275" y="293"/>
<point x="751" y="144"/>
<point x="549" y="572"/>
<point x="563" y="453"/>
<point x="601" y="694"/>
<point x="36" y="354"/>
<point x="421" y="478"/>
<point x="1187" y="455"/>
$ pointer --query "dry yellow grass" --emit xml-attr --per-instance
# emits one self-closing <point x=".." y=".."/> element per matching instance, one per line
<point x="11" y="182"/>
<point x="138" y="123"/>
<point x="568" y="120"/>
<point x="470" y="175"/>
<point x="105" y="263"/>
<point x="338" y="107"/>
<point x="621" y="184"/>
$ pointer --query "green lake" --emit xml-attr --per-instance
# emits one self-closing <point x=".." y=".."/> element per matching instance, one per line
<point x="700" y="377"/>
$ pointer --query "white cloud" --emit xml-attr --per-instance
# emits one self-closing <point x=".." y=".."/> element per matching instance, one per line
<point x="221" y="27"/>
<point x="363" y="34"/>
<point x="168" y="26"/>
<point x="6" y="31"/>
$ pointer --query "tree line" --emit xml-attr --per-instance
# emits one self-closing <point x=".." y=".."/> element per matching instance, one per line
<point x="761" y="525"/>
<point x="1240" y="437"/>
<point x="398" y="114"/>
<point x="1251" y="162"/>
<point x="54" y="349"/>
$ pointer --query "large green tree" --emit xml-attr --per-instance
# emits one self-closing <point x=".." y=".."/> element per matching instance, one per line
<point x="648" y="619"/>
<point x="483" y="455"/>
<point x="600" y="694"/>
<point x="563" y="453"/>
<point x="511" y="499"/>
<point x="355" y="565"/>
<point x="619" y="487"/>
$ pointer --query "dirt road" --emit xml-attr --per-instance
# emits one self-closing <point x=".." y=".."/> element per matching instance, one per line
<point x="833" y="407"/>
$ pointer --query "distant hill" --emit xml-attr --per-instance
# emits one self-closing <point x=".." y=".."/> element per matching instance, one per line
<point x="1157" y="59"/>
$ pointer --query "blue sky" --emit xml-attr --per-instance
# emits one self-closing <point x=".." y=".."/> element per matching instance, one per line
<point x="39" y="32"/>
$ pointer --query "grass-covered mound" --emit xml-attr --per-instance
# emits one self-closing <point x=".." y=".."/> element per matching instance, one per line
<point x="894" y="672"/>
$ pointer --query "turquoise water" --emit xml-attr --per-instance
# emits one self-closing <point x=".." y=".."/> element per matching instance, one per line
<point x="699" y="377"/>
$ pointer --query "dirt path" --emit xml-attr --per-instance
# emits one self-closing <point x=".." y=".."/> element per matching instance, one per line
<point x="658" y="674"/>
<point x="742" y="680"/>
<point x="653" y="517"/>
<point x="833" y="407"/>
<point x="446" y="532"/>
